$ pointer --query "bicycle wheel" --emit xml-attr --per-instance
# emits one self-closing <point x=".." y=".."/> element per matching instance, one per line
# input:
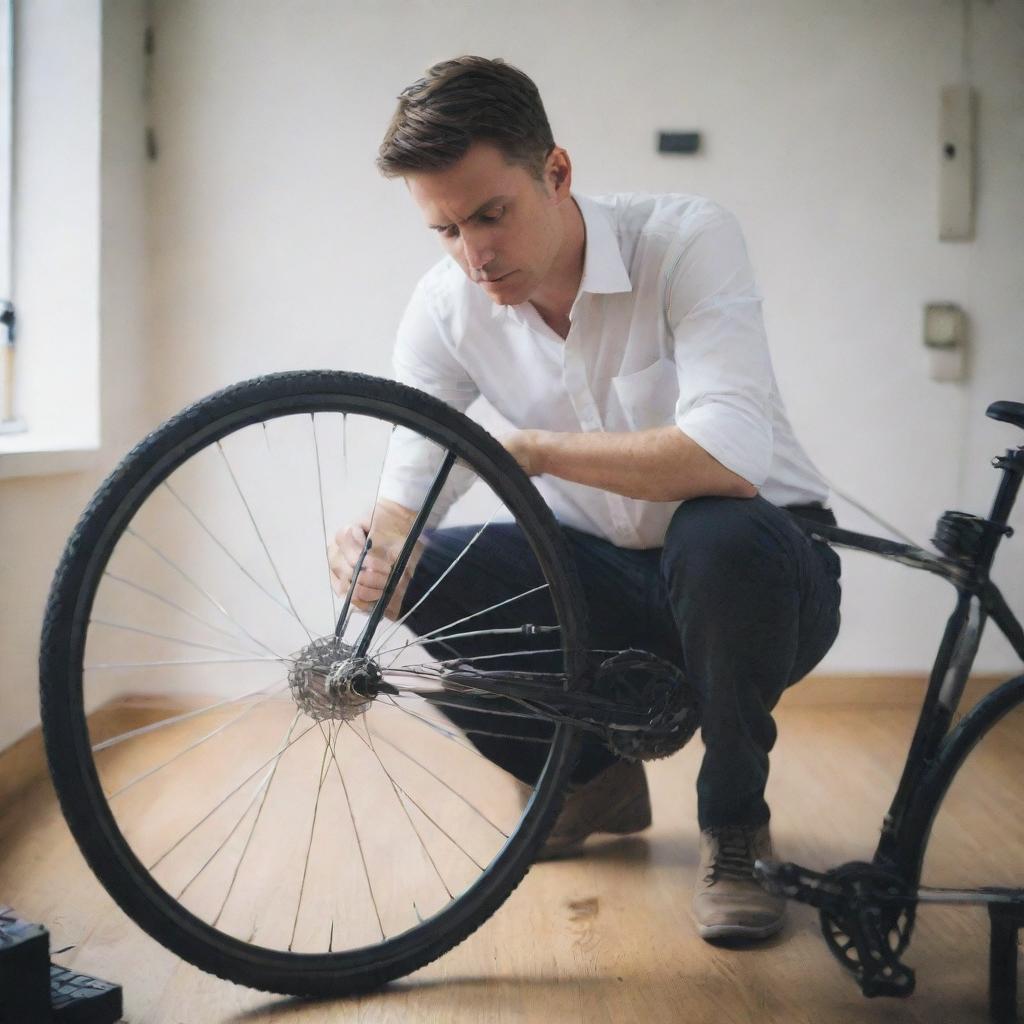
<point x="960" y="781"/>
<point x="254" y="833"/>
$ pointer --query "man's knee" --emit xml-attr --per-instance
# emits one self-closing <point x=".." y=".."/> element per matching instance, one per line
<point x="715" y="542"/>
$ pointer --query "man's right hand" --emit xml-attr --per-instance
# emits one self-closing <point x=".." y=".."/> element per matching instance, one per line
<point x="390" y="527"/>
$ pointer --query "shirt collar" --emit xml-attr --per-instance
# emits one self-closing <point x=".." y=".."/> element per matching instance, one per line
<point x="604" y="273"/>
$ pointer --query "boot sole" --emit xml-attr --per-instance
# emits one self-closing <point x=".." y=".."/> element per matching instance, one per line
<point x="739" y="931"/>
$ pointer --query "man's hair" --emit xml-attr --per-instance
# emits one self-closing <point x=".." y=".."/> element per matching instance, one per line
<point x="462" y="101"/>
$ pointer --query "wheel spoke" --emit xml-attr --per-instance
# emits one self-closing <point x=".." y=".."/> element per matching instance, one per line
<point x="399" y="793"/>
<point x="180" y="608"/>
<point x="182" y="753"/>
<point x="309" y="846"/>
<point x="355" y="830"/>
<point x="224" y="842"/>
<point x="473" y="731"/>
<point x="525" y="630"/>
<point x="265" y="785"/>
<point x="430" y="668"/>
<point x="429" y="818"/>
<point x="165" y="636"/>
<point x="458" y="622"/>
<point x="209" y="814"/>
<point x="174" y="720"/>
<point x="501" y="713"/>
<point x="107" y="665"/>
<point x="283" y="605"/>
<point x="323" y="518"/>
<point x="457" y="660"/>
<point x="398" y="624"/>
<point x="263" y="543"/>
<point x="435" y="776"/>
<point x="188" y="579"/>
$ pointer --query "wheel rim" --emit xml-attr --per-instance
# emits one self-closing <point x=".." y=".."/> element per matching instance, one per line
<point x="195" y="836"/>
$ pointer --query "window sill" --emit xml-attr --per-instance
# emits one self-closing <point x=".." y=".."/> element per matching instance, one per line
<point x="29" y="454"/>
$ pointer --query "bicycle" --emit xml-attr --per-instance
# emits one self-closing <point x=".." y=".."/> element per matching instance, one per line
<point x="331" y="865"/>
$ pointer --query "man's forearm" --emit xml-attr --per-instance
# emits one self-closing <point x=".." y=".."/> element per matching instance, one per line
<point x="661" y="464"/>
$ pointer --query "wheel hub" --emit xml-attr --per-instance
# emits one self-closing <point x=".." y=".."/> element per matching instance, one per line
<point x="328" y="681"/>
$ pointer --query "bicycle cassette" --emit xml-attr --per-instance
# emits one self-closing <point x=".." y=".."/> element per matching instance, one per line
<point x="640" y="679"/>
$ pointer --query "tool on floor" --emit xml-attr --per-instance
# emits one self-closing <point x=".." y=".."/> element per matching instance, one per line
<point x="35" y="991"/>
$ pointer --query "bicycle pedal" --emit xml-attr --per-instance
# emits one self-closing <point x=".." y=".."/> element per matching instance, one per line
<point x="794" y="882"/>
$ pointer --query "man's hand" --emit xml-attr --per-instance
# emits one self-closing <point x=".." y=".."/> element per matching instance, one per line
<point x="390" y="527"/>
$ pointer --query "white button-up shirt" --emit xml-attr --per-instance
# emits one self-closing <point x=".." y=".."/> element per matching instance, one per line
<point x="666" y="328"/>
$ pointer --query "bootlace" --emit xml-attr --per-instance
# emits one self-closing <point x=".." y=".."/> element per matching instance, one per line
<point x="734" y="858"/>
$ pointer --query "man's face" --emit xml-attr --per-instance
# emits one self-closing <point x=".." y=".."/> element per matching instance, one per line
<point x="495" y="219"/>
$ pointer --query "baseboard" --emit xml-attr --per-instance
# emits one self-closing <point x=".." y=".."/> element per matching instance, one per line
<point x="21" y="764"/>
<point x="24" y="762"/>
<point x="896" y="689"/>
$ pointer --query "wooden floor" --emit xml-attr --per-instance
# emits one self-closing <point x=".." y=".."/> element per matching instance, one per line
<point x="609" y="937"/>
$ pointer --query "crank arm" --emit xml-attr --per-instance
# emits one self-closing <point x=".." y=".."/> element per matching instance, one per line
<point x="798" y="883"/>
<point x="971" y="897"/>
<point x="818" y="890"/>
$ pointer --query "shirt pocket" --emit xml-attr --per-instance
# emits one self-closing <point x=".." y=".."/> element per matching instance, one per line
<point x="648" y="397"/>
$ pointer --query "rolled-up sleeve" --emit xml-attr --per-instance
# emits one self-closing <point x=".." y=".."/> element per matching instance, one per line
<point x="720" y="349"/>
<point x="423" y="359"/>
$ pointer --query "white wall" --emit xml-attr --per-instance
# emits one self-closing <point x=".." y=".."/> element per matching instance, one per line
<point x="275" y="244"/>
<point x="38" y="512"/>
<point x="262" y="238"/>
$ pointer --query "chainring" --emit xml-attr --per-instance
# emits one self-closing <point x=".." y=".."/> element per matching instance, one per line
<point x="639" y="679"/>
<point x="873" y="929"/>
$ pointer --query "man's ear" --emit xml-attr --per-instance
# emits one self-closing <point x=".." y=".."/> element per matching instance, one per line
<point x="558" y="174"/>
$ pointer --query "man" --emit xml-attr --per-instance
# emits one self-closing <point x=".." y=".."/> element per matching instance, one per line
<point x="623" y="337"/>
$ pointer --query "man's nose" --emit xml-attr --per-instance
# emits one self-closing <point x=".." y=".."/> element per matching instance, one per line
<point x="477" y="253"/>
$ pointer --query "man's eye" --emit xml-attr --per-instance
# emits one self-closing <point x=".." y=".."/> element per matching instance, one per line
<point x="493" y="216"/>
<point x="451" y="231"/>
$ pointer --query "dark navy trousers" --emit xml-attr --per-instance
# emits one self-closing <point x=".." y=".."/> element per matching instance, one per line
<point x="738" y="597"/>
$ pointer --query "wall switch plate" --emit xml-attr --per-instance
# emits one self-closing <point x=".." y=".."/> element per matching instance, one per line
<point x="945" y="325"/>
<point x="945" y="339"/>
<point x="678" y="142"/>
<point x="956" y="164"/>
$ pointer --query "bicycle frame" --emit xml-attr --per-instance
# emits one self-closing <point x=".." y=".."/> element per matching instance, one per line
<point x="545" y="696"/>
<point x="907" y="824"/>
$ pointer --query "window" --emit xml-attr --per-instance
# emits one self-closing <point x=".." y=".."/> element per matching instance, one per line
<point x="7" y="417"/>
<point x="51" y="232"/>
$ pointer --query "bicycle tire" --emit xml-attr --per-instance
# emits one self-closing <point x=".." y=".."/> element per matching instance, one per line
<point x="923" y="809"/>
<point x="72" y="763"/>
